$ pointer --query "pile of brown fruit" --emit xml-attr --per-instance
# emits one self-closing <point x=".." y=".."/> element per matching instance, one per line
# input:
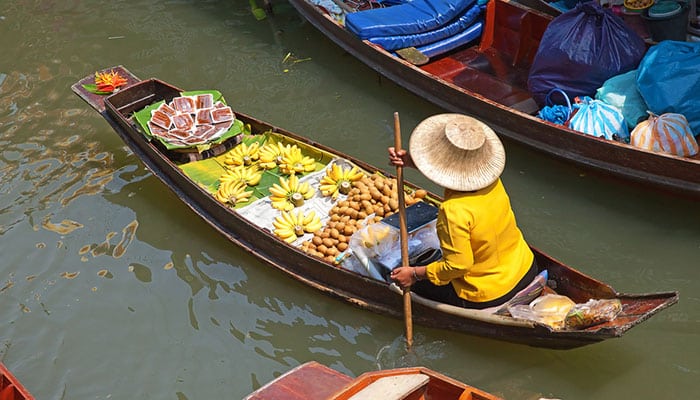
<point x="375" y="196"/>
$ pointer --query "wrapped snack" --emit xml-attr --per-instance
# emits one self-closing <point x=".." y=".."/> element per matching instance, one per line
<point x="550" y="309"/>
<point x="593" y="312"/>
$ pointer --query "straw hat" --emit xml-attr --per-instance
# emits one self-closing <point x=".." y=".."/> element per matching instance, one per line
<point x="457" y="152"/>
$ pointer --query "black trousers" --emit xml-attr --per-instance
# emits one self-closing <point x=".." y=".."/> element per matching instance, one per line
<point x="447" y="294"/>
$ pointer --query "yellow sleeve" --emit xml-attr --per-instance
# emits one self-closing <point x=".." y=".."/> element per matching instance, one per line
<point x="454" y="232"/>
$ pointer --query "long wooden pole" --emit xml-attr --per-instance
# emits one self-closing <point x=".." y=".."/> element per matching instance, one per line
<point x="403" y="229"/>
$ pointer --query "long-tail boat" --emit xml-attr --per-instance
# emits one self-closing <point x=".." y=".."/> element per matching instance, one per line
<point x="315" y="381"/>
<point x="195" y="175"/>
<point x="482" y="70"/>
<point x="10" y="387"/>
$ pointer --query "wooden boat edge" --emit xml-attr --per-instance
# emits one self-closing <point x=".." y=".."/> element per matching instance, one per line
<point x="10" y="387"/>
<point x="304" y="382"/>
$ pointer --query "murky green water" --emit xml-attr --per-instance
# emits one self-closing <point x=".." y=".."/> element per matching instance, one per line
<point x="112" y="289"/>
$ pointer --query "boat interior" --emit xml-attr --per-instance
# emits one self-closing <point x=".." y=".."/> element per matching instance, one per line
<point x="497" y="67"/>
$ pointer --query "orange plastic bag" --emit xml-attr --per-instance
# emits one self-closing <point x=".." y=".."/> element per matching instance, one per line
<point x="668" y="133"/>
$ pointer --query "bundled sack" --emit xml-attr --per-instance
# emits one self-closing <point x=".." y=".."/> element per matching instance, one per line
<point x="581" y="49"/>
<point x="597" y="118"/>
<point x="668" y="79"/>
<point x="667" y="133"/>
<point x="621" y="91"/>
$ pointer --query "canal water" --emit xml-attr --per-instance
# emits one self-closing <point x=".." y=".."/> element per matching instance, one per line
<point x="110" y="288"/>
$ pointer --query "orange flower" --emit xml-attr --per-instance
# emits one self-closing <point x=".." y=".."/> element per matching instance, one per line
<point x="109" y="81"/>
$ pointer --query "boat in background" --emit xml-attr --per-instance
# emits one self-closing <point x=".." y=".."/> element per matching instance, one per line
<point x="315" y="381"/>
<point x="487" y="78"/>
<point x="10" y="387"/>
<point x="194" y="175"/>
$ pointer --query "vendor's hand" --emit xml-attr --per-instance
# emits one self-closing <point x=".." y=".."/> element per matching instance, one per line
<point x="400" y="158"/>
<point x="403" y="276"/>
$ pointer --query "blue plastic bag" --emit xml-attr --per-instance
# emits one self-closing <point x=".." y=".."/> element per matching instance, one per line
<point x="580" y="50"/>
<point x="621" y="91"/>
<point x="669" y="80"/>
<point x="596" y="118"/>
<point x="556" y="113"/>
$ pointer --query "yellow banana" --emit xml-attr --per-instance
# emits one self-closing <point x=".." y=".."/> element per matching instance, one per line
<point x="293" y="161"/>
<point x="309" y="217"/>
<point x="289" y="193"/>
<point x="353" y="174"/>
<point x="289" y="225"/>
<point x="250" y="176"/>
<point x="336" y="172"/>
<point x="232" y="192"/>
<point x="271" y="155"/>
<point x="243" y="154"/>
<point x="339" y="180"/>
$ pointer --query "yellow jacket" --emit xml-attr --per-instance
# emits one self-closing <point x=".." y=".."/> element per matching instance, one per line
<point x="484" y="252"/>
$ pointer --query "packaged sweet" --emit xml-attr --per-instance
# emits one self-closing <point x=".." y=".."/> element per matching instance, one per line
<point x="191" y="120"/>
<point x="593" y="312"/>
<point x="222" y="114"/>
<point x="161" y="119"/>
<point x="184" y="104"/>
<point x="205" y="100"/>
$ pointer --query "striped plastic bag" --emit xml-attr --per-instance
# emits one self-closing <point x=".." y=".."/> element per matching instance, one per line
<point x="666" y="133"/>
<point x="600" y="119"/>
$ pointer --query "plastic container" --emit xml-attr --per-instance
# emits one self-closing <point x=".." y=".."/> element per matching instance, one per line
<point x="667" y="20"/>
<point x="637" y="7"/>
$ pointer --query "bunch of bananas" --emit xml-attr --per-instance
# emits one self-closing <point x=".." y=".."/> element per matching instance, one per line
<point x="249" y="175"/>
<point x="289" y="193"/>
<point x="243" y="154"/>
<point x="293" y="224"/>
<point x="232" y="192"/>
<point x="271" y="154"/>
<point x="293" y="161"/>
<point x="339" y="180"/>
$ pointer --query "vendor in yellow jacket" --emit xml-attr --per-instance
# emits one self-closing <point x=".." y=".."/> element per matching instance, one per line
<point x="485" y="259"/>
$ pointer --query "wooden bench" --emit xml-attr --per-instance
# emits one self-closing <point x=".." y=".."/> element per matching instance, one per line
<point x="398" y="387"/>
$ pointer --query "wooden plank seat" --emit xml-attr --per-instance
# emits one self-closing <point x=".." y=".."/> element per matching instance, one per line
<point x="398" y="387"/>
<point x="498" y="68"/>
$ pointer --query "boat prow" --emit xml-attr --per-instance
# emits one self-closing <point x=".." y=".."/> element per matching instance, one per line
<point x="315" y="381"/>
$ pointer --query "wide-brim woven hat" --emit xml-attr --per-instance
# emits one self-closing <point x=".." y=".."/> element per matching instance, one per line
<point x="457" y="152"/>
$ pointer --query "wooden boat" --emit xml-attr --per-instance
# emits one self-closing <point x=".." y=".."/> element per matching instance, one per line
<point x="177" y="171"/>
<point x="487" y="78"/>
<point x="10" y="387"/>
<point x="314" y="381"/>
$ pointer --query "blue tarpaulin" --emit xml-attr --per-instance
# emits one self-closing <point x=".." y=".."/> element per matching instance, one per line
<point x="417" y="16"/>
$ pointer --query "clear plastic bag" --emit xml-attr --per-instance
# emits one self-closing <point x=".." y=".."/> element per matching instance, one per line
<point x="550" y="309"/>
<point x="593" y="312"/>
<point x="377" y="247"/>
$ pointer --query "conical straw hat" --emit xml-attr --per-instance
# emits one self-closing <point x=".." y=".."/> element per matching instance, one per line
<point x="457" y="152"/>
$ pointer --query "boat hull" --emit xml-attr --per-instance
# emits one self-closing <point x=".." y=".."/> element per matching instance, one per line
<point x="679" y="175"/>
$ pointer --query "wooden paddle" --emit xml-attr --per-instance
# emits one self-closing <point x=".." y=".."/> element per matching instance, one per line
<point x="403" y="232"/>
